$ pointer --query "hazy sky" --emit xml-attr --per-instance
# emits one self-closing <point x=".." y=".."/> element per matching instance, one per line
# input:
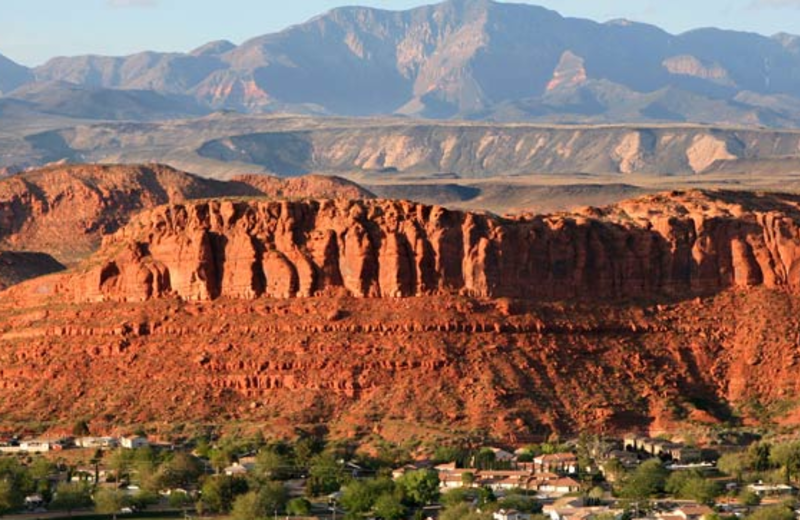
<point x="36" y="30"/>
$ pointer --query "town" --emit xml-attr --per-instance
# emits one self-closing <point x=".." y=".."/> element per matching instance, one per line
<point x="585" y="478"/>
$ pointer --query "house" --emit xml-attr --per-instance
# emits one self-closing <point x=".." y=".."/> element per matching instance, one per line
<point x="503" y="479"/>
<point x="451" y="477"/>
<point x="248" y="462"/>
<point x="34" y="501"/>
<point x="501" y="455"/>
<point x="661" y="448"/>
<point x="762" y="489"/>
<point x="574" y="510"/>
<point x="685" y="454"/>
<point x="97" y="443"/>
<point x="132" y="443"/>
<point x="235" y="470"/>
<point x="86" y="474"/>
<point x="561" y="486"/>
<point x="693" y="512"/>
<point x="510" y="514"/>
<point x="451" y="480"/>
<point x="633" y="442"/>
<point x="37" y="446"/>
<point x="399" y="472"/>
<point x="563" y="463"/>
<point x="496" y="474"/>
<point x="538" y="480"/>
<point x="626" y="458"/>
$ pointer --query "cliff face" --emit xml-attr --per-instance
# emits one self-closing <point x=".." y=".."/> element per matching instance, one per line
<point x="669" y="245"/>
<point x="193" y="313"/>
<point x="64" y="211"/>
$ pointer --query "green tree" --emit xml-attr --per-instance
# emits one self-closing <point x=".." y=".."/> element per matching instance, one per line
<point x="143" y="462"/>
<point x="306" y="448"/>
<point x="41" y="469"/>
<point x="144" y="499"/>
<point x="389" y="507"/>
<point x="265" y="502"/>
<point x="648" y="480"/>
<point x="181" y="471"/>
<point x="273" y="496"/>
<point x="359" y="496"/>
<point x="778" y="512"/>
<point x="325" y="475"/>
<point x="486" y="496"/>
<point x="120" y="463"/>
<point x="109" y="501"/>
<point x="202" y="447"/>
<point x="219" y="459"/>
<point x="457" y="496"/>
<point x="613" y="469"/>
<point x="11" y="499"/>
<point x="248" y="507"/>
<point x="179" y="499"/>
<point x="692" y="485"/>
<point x="298" y="507"/>
<point x="758" y="456"/>
<point x="485" y="459"/>
<point x="732" y="464"/>
<point x="455" y="454"/>
<point x="467" y="479"/>
<point x="271" y="465"/>
<point x="70" y="496"/>
<point x="749" y="498"/>
<point x="15" y="483"/>
<point x="219" y="492"/>
<point x="420" y="487"/>
<point x="463" y="512"/>
<point x="521" y="503"/>
<point x="787" y="456"/>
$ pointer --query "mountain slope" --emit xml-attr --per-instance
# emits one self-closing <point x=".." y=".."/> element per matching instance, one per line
<point x="465" y="58"/>
<point x="12" y="75"/>
<point x="83" y="102"/>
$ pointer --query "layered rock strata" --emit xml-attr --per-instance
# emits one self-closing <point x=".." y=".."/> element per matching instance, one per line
<point x="661" y="246"/>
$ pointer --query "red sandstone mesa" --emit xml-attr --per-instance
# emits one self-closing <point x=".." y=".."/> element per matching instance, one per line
<point x="691" y="243"/>
<point x="656" y="313"/>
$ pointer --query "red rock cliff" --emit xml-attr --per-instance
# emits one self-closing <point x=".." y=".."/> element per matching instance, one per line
<point x="664" y="245"/>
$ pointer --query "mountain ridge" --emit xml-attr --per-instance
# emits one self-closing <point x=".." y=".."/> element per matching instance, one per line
<point x="465" y="59"/>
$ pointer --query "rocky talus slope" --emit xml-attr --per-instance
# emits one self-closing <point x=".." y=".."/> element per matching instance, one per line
<point x="663" y="313"/>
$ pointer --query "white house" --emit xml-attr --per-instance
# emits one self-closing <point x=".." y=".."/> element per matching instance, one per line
<point x="502" y="455"/>
<point x="97" y="442"/>
<point x="36" y="446"/>
<point x="561" y="486"/>
<point x="134" y="442"/>
<point x="510" y="514"/>
<point x="236" y="470"/>
<point x="762" y="489"/>
<point x="34" y="501"/>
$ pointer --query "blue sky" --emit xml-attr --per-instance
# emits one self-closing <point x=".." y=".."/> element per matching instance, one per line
<point x="35" y="30"/>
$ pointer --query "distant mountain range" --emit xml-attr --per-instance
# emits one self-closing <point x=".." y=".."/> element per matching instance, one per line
<point x="470" y="59"/>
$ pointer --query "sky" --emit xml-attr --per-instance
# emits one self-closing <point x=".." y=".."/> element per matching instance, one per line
<point x="34" y="31"/>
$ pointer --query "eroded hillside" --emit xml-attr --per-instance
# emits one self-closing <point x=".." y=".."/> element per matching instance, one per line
<point x="182" y="317"/>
